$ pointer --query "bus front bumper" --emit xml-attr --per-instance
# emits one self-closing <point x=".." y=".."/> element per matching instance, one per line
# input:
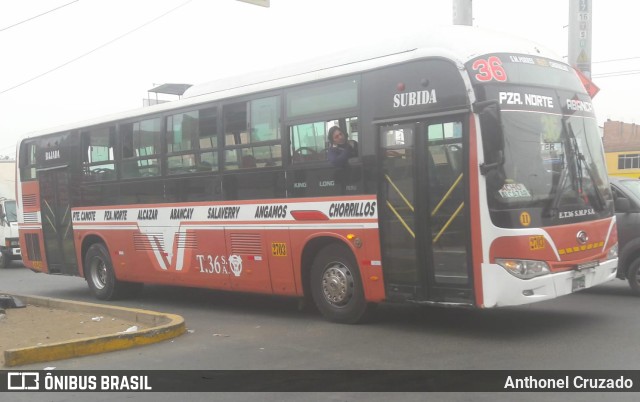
<point x="500" y="288"/>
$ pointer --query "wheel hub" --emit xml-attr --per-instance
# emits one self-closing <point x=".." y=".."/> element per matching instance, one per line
<point x="337" y="284"/>
<point x="99" y="273"/>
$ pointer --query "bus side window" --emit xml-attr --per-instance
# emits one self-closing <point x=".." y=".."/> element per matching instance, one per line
<point x="192" y="141"/>
<point x="28" y="161"/>
<point x="309" y="141"/>
<point x="140" y="148"/>
<point x="252" y="134"/>
<point x="98" y="159"/>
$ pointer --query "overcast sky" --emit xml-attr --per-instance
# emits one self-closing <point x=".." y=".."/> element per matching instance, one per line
<point x="130" y="49"/>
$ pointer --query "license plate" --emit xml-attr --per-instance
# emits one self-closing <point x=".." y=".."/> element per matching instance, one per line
<point x="577" y="282"/>
<point x="587" y="265"/>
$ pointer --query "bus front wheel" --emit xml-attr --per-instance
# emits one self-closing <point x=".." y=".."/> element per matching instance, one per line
<point x="101" y="277"/>
<point x="633" y="276"/>
<point x="336" y="286"/>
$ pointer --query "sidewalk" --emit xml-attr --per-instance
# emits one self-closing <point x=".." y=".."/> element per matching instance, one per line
<point x="53" y="329"/>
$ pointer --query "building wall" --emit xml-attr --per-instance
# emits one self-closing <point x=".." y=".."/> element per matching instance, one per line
<point x="612" y="159"/>
<point x="621" y="143"/>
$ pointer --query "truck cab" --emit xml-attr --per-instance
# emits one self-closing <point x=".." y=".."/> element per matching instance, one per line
<point x="9" y="238"/>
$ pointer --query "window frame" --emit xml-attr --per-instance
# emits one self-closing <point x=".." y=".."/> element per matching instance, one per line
<point x="278" y="142"/>
<point x="318" y="85"/>
<point x="85" y="134"/>
<point x="195" y="150"/>
<point x="26" y="164"/>
<point x="159" y="145"/>
<point x="324" y="118"/>
<point x="628" y="159"/>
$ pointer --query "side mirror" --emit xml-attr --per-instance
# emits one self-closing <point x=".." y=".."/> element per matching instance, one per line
<point x="492" y="134"/>
<point x="622" y="205"/>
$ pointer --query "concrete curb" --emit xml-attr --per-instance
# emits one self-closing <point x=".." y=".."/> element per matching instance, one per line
<point x="164" y="326"/>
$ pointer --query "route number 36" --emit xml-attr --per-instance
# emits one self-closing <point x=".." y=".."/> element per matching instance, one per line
<point x="489" y="69"/>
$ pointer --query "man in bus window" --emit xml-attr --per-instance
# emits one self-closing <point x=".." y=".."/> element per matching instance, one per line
<point x="340" y="149"/>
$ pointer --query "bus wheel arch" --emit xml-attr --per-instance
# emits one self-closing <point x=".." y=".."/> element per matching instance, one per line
<point x="311" y="249"/>
<point x="331" y="278"/>
<point x="87" y="242"/>
<point x="99" y="272"/>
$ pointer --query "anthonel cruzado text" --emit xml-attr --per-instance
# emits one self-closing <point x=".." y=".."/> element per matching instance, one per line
<point x="577" y="382"/>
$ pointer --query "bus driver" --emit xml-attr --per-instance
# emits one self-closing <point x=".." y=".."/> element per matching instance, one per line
<point x="340" y="149"/>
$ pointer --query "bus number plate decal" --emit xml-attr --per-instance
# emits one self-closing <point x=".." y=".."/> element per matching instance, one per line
<point x="536" y="243"/>
<point x="279" y="249"/>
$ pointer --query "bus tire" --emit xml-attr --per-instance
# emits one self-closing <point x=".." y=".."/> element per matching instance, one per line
<point x="633" y="276"/>
<point x="100" y="275"/>
<point x="336" y="286"/>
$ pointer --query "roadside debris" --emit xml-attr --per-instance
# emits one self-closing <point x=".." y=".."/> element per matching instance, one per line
<point x="8" y="301"/>
<point x="129" y="330"/>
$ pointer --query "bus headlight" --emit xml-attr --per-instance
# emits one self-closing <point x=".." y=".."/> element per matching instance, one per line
<point x="613" y="252"/>
<point x="524" y="269"/>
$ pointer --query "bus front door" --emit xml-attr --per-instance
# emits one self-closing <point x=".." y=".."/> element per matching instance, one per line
<point x="424" y="222"/>
<point x="57" y="227"/>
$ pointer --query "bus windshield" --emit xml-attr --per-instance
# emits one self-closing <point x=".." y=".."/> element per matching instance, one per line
<point x="10" y="211"/>
<point x="553" y="167"/>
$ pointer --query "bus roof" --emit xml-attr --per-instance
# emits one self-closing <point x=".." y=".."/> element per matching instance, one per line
<point x="457" y="43"/>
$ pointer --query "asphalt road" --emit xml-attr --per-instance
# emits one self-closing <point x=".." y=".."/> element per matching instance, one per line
<point x="593" y="329"/>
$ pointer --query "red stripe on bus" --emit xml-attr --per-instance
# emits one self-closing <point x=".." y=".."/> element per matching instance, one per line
<point x="474" y="210"/>
<point x="309" y="216"/>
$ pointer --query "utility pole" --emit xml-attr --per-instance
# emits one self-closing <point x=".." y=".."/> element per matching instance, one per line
<point x="580" y="14"/>
<point x="462" y="12"/>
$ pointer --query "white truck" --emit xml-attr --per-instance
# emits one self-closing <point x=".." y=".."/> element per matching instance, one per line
<point x="9" y="238"/>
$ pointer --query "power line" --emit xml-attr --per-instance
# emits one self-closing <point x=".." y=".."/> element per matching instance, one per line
<point x="95" y="49"/>
<point x="616" y="74"/>
<point x="612" y="60"/>
<point x="39" y="15"/>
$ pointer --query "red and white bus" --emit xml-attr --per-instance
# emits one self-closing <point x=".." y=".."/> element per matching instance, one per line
<point x="480" y="181"/>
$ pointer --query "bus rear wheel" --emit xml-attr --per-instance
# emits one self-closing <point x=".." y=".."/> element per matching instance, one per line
<point x="101" y="277"/>
<point x="336" y="286"/>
